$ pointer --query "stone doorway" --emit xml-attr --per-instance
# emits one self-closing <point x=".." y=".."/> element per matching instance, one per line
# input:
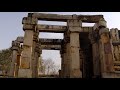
<point x="86" y="57"/>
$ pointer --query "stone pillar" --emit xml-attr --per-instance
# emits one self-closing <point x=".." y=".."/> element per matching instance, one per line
<point x="18" y="61"/>
<point x="62" y="71"/>
<point x="38" y="52"/>
<point x="66" y="55"/>
<point x="74" y="27"/>
<point x="114" y="34"/>
<point x="17" y="65"/>
<point x="35" y="54"/>
<point x="94" y="38"/>
<point x="105" y="50"/>
<point x="15" y="48"/>
<point x="29" y="26"/>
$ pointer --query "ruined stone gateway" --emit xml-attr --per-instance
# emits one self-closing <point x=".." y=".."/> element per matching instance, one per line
<point x="86" y="52"/>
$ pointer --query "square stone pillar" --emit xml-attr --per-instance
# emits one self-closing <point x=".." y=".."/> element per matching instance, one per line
<point x="17" y="65"/>
<point x="18" y="61"/>
<point x="94" y="38"/>
<point x="35" y="55"/>
<point x="61" y="71"/>
<point x="35" y="64"/>
<point x="62" y="64"/>
<point x="74" y="27"/>
<point x="63" y="60"/>
<point x="15" y="49"/>
<point x="114" y="34"/>
<point x="106" y="54"/>
<point x="29" y="26"/>
<point x="66" y="55"/>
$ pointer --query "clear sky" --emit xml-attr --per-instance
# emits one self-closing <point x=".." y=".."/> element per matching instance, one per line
<point x="11" y="27"/>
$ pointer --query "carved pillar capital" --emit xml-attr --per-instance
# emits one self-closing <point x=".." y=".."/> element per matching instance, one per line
<point x="102" y="23"/>
<point x="74" y="25"/>
<point x="15" y="45"/>
<point x="29" y="23"/>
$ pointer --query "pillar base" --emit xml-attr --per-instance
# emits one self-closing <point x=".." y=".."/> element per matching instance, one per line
<point x="25" y="73"/>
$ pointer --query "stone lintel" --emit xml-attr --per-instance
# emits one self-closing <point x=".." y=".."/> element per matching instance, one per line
<point x="90" y="18"/>
<point x="51" y="47"/>
<point x="64" y="18"/>
<point x="50" y="17"/>
<point x="51" y="28"/>
<point x="43" y="41"/>
<point x="60" y="29"/>
<point x="50" y="41"/>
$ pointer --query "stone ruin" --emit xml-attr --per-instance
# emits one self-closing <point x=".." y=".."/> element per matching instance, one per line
<point x="86" y="52"/>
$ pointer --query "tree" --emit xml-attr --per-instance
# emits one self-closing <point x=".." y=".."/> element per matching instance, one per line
<point x="5" y="59"/>
<point x="48" y="67"/>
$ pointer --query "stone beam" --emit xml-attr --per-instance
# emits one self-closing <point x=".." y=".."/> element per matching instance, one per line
<point x="44" y="41"/>
<point x="45" y="47"/>
<point x="87" y="29"/>
<point x="51" y="28"/>
<point x="90" y="18"/>
<point x="58" y="29"/>
<point x="56" y="17"/>
<point x="51" y="41"/>
<point x="51" y="47"/>
<point x="50" y="17"/>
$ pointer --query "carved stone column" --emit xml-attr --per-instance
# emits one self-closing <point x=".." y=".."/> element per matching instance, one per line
<point x="94" y="38"/>
<point x="38" y="53"/>
<point x="35" y="54"/>
<point x="62" y="51"/>
<point x="18" y="61"/>
<point x="66" y="55"/>
<point x="15" y="49"/>
<point x="62" y="66"/>
<point x="29" y="26"/>
<point x="105" y="50"/>
<point x="74" y="27"/>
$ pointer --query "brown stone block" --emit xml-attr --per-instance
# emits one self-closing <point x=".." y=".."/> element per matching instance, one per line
<point x="25" y="63"/>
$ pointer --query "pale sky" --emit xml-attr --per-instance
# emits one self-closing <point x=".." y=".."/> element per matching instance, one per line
<point x="11" y="28"/>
